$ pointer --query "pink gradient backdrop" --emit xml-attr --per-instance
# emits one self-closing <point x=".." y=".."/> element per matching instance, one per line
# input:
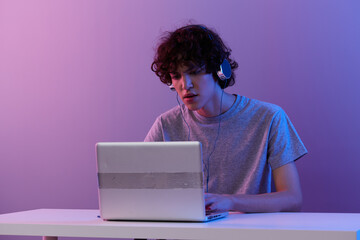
<point x="76" y="72"/>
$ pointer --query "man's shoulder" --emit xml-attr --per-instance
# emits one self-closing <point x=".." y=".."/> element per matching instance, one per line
<point x="255" y="105"/>
<point x="171" y="114"/>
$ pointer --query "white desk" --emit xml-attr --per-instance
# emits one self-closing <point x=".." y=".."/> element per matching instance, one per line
<point x="85" y="223"/>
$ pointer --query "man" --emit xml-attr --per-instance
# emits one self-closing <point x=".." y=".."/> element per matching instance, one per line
<point x="246" y="143"/>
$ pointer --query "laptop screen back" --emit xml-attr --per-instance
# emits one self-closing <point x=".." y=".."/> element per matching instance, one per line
<point x="150" y="181"/>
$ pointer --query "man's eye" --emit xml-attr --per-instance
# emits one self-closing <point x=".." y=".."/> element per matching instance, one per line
<point x="197" y="71"/>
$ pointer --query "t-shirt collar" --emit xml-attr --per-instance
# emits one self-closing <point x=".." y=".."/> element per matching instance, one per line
<point x="197" y="117"/>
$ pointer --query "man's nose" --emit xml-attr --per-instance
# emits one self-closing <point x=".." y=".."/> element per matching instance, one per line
<point x="187" y="82"/>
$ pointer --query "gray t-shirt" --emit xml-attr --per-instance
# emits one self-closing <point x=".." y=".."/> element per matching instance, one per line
<point x="254" y="138"/>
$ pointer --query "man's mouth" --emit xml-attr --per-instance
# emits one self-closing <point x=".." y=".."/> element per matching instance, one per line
<point x="189" y="96"/>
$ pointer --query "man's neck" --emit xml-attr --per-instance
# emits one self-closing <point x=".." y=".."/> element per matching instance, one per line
<point x="214" y="109"/>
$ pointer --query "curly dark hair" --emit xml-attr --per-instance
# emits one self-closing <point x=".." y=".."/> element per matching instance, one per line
<point x="192" y="46"/>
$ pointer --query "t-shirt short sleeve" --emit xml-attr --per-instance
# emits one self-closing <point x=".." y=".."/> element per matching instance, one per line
<point x="285" y="144"/>
<point x="155" y="133"/>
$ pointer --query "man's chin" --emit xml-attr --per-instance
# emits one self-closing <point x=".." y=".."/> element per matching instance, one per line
<point x="192" y="107"/>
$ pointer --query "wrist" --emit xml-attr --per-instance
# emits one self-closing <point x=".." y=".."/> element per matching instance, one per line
<point x="233" y="201"/>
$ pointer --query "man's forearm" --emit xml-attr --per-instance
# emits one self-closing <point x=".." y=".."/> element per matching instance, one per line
<point x="284" y="201"/>
<point x="288" y="196"/>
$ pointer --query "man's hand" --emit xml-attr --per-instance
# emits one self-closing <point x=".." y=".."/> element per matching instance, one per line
<point x="218" y="202"/>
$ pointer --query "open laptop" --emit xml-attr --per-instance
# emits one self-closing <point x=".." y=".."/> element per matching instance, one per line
<point x="154" y="181"/>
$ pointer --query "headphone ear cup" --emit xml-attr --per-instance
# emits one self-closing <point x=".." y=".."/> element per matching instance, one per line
<point x="225" y="70"/>
<point x="171" y="87"/>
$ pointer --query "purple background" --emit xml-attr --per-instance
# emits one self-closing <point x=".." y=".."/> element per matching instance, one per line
<point x="73" y="73"/>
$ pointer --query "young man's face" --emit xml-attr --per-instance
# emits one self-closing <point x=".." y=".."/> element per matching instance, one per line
<point x="197" y="89"/>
